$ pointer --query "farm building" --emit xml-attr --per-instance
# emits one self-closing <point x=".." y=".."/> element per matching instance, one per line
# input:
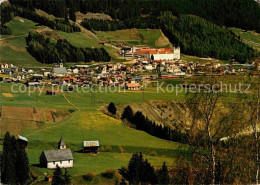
<point x="91" y="146"/>
<point x="52" y="93"/>
<point x="160" y="54"/>
<point x="52" y="158"/>
<point x="22" y="141"/>
<point x="132" y="86"/>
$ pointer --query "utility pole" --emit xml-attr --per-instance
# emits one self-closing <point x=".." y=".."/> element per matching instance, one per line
<point x="143" y="95"/>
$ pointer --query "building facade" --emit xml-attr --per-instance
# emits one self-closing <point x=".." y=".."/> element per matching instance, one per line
<point x="161" y="54"/>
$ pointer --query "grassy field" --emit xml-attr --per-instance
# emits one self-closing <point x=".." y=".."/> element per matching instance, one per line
<point x="152" y="38"/>
<point x="88" y="123"/>
<point x="13" y="47"/>
<point x="201" y="60"/>
<point x="80" y="39"/>
<point x="249" y="37"/>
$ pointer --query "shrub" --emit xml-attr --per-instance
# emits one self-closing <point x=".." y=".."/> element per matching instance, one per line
<point x="153" y="153"/>
<point x="89" y="176"/>
<point x="102" y="149"/>
<point x="108" y="148"/>
<point x="109" y="173"/>
<point x="121" y="150"/>
<point x="118" y="178"/>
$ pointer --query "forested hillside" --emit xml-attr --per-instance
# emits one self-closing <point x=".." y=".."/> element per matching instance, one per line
<point x="46" y="52"/>
<point x="238" y="13"/>
<point x="198" y="26"/>
<point x="197" y="36"/>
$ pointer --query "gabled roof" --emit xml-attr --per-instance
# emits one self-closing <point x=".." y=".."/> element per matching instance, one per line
<point x="59" y="70"/>
<point x="58" y="155"/>
<point x="133" y="85"/>
<point x="22" y="138"/>
<point x="156" y="51"/>
<point x="61" y="143"/>
<point x="90" y="143"/>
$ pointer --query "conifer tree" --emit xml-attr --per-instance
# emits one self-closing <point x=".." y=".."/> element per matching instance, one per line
<point x="22" y="165"/>
<point x="8" y="171"/>
<point x="127" y="114"/>
<point x="58" y="178"/>
<point x="163" y="175"/>
<point x="112" y="108"/>
<point x="67" y="177"/>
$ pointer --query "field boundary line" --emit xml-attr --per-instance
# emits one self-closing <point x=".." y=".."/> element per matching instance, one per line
<point x="54" y="124"/>
<point x="64" y="95"/>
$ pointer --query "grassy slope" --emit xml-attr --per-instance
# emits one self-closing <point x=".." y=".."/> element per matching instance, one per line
<point x="250" y="37"/>
<point x="90" y="124"/>
<point x="151" y="38"/>
<point x="12" y="47"/>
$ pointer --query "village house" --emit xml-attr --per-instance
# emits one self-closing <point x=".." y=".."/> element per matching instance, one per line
<point x="5" y="65"/>
<point x="59" y="71"/>
<point x="61" y="157"/>
<point x="91" y="146"/>
<point x="132" y="86"/>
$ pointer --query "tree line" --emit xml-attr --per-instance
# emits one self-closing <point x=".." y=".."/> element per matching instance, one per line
<point x="46" y="51"/>
<point x="56" y="24"/>
<point x="244" y="14"/>
<point x="197" y="36"/>
<point x="143" y="123"/>
<point x="140" y="171"/>
<point x="101" y="25"/>
<point x="15" y="163"/>
<point x="8" y="12"/>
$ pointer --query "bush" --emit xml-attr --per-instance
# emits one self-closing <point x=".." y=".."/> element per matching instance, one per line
<point x="89" y="176"/>
<point x="101" y="149"/>
<point x="118" y="178"/>
<point x="108" y="148"/>
<point x="109" y="173"/>
<point x="121" y="150"/>
<point x="153" y="153"/>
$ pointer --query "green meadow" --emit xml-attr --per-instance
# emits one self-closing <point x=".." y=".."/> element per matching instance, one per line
<point x="149" y="37"/>
<point x="88" y="123"/>
<point x="251" y="38"/>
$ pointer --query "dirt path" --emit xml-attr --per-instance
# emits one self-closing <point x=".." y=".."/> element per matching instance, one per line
<point x="12" y="37"/>
<point x="64" y="95"/>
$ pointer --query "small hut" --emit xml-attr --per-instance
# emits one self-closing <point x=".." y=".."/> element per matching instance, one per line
<point x="91" y="146"/>
<point x="22" y="141"/>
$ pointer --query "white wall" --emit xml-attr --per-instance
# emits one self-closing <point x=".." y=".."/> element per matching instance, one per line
<point x="64" y="164"/>
<point x="167" y="56"/>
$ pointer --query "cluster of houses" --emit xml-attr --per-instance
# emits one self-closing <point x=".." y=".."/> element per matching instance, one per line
<point x="150" y="64"/>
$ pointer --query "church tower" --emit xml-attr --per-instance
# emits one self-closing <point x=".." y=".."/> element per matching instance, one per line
<point x="62" y="144"/>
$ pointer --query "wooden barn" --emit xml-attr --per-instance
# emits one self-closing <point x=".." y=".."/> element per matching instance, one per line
<point x="22" y="141"/>
<point x="91" y="146"/>
<point x="52" y="93"/>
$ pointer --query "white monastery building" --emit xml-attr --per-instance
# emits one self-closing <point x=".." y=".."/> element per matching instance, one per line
<point x="161" y="54"/>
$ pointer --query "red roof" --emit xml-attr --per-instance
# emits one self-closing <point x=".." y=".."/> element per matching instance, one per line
<point x="155" y="51"/>
<point x="133" y="85"/>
